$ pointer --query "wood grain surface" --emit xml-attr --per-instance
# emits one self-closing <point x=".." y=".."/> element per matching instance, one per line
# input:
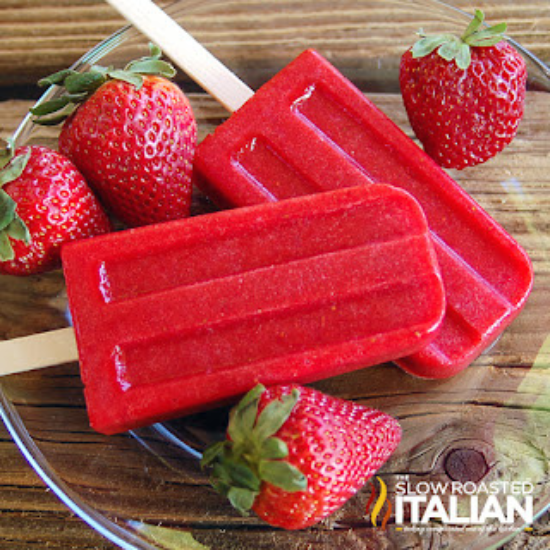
<point x="37" y="38"/>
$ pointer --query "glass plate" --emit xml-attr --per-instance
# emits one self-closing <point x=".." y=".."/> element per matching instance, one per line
<point x="485" y="428"/>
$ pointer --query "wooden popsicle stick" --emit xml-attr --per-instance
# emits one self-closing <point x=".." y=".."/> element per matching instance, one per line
<point x="193" y="58"/>
<point x="37" y="351"/>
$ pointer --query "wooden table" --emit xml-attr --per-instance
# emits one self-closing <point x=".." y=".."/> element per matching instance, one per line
<point x="37" y="38"/>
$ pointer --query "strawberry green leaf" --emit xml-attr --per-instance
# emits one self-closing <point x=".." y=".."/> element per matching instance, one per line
<point x="426" y="45"/>
<point x="212" y="453"/>
<point x="275" y="415"/>
<point x="449" y="50"/>
<point x="79" y="87"/>
<point x="253" y="395"/>
<point x="11" y="225"/>
<point x="77" y="98"/>
<point x="56" y="78"/>
<point x="154" y="51"/>
<point x="489" y="37"/>
<point x="7" y="210"/>
<point x="49" y="107"/>
<point x="6" y="250"/>
<point x="220" y="486"/>
<point x="167" y="538"/>
<point x="7" y="148"/>
<point x="14" y="169"/>
<point x="241" y="424"/>
<point x="84" y="82"/>
<point x="273" y="448"/>
<point x="241" y="475"/>
<point x="243" y="415"/>
<point x="241" y="499"/>
<point x="152" y="66"/>
<point x="247" y="416"/>
<point x="474" y="25"/>
<point x="283" y="475"/>
<point x="18" y="230"/>
<point x="53" y="120"/>
<point x="100" y="69"/>
<point x="220" y="479"/>
<point x="135" y="80"/>
<point x="463" y="56"/>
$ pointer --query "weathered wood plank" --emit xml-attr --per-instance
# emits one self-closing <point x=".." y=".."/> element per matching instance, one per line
<point x="37" y="38"/>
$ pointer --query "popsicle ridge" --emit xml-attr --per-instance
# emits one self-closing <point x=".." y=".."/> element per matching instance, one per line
<point x="257" y="154"/>
<point x="285" y="326"/>
<point x="188" y="257"/>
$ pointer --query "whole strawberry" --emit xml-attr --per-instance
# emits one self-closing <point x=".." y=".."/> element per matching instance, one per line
<point x="133" y="137"/>
<point x="464" y="96"/>
<point x="44" y="203"/>
<point x="295" y="455"/>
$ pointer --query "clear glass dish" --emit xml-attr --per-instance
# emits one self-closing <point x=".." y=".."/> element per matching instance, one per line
<point x="488" y="424"/>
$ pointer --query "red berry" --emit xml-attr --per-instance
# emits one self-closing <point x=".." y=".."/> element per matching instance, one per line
<point x="325" y="446"/>
<point x="463" y="115"/>
<point x="135" y="147"/>
<point x="56" y="205"/>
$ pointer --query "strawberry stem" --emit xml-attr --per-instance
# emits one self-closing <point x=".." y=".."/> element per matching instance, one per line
<point x="7" y="149"/>
<point x="453" y="48"/>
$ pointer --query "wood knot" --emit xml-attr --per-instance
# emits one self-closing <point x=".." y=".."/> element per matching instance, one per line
<point x="466" y="465"/>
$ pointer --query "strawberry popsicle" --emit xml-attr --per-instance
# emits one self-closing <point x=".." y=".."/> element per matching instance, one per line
<point x="308" y="130"/>
<point x="182" y="316"/>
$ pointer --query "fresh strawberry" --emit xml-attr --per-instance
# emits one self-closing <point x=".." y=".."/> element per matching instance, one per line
<point x="464" y="96"/>
<point x="133" y="137"/>
<point x="295" y="455"/>
<point x="44" y="203"/>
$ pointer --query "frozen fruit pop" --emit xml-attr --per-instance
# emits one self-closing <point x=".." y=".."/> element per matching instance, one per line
<point x="308" y="130"/>
<point x="179" y="317"/>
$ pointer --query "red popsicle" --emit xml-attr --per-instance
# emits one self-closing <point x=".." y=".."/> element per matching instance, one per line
<point x="178" y="317"/>
<point x="309" y="129"/>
